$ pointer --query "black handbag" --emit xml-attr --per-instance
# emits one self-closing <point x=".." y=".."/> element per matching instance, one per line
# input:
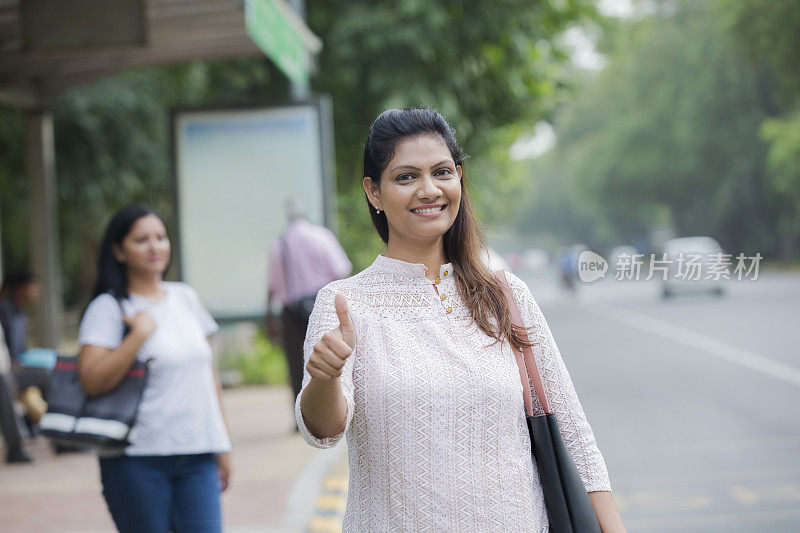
<point x="569" y="508"/>
<point x="103" y="422"/>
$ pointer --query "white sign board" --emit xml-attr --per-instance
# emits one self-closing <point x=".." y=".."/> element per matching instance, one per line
<point x="234" y="170"/>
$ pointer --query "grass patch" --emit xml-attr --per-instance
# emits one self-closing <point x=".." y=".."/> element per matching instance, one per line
<point x="265" y="365"/>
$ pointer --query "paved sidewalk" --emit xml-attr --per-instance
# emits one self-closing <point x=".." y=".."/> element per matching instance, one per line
<point x="275" y="485"/>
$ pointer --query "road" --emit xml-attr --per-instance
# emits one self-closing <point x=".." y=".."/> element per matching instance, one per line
<point x="693" y="400"/>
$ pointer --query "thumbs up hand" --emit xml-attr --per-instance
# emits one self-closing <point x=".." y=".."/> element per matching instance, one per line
<point x="335" y="346"/>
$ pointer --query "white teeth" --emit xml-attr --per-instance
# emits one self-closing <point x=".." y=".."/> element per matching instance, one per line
<point x="428" y="210"/>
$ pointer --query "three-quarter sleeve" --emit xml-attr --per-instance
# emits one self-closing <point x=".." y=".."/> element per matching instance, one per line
<point x="323" y="319"/>
<point x="560" y="392"/>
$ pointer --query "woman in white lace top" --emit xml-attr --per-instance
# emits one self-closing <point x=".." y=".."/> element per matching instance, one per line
<point x="412" y="359"/>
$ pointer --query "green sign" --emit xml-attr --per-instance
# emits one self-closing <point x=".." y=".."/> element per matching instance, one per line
<point x="282" y="35"/>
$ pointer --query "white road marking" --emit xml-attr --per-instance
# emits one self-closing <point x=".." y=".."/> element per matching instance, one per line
<point x="705" y="343"/>
<point x="768" y="518"/>
<point x="752" y="496"/>
<point x="672" y="500"/>
<point x="700" y="478"/>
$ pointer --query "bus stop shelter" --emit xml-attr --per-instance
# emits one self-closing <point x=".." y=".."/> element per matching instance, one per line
<point x="50" y="46"/>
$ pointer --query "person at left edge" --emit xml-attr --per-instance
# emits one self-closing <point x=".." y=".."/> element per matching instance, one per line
<point x="18" y="295"/>
<point x="179" y="460"/>
<point x="10" y="430"/>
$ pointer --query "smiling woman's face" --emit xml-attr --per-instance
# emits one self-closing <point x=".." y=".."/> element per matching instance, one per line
<point x="420" y="190"/>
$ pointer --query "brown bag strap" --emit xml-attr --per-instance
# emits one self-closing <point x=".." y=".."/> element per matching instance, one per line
<point x="526" y="362"/>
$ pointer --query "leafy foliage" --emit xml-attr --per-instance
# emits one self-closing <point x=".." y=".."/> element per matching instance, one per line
<point x="783" y="162"/>
<point x="767" y="31"/>
<point x="112" y="148"/>
<point x="666" y="136"/>
<point x="492" y="68"/>
<point x="768" y="34"/>
<point x="265" y="364"/>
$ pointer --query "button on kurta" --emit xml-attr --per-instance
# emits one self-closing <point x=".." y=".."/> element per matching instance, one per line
<point x="443" y="296"/>
<point x="449" y="309"/>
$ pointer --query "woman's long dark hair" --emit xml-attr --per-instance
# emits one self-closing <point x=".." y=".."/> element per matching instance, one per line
<point x="464" y="241"/>
<point x="112" y="277"/>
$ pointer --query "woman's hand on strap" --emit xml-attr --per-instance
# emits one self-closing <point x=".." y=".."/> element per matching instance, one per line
<point x="141" y="323"/>
<point x="101" y="369"/>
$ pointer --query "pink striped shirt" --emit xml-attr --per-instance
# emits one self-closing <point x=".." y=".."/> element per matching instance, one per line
<point x="314" y="259"/>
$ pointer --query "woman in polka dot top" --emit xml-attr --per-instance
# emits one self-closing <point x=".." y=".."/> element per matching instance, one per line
<point x="172" y="474"/>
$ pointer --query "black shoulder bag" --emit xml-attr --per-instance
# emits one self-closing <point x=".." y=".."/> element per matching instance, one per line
<point x="102" y="422"/>
<point x="568" y="505"/>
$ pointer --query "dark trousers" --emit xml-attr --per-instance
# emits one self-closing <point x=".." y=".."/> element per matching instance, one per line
<point x="157" y="494"/>
<point x="8" y="417"/>
<point x="294" y="335"/>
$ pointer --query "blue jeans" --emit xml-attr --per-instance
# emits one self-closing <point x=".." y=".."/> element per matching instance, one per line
<point x="155" y="494"/>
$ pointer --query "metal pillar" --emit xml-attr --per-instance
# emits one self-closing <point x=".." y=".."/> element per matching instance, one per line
<point x="40" y="167"/>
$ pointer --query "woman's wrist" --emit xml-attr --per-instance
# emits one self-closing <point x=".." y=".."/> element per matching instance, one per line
<point x="323" y="407"/>
<point x="326" y="384"/>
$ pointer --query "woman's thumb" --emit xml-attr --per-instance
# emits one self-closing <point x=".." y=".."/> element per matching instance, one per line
<point x="345" y="324"/>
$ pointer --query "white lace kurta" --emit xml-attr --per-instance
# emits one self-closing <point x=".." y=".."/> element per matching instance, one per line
<point x="436" y="425"/>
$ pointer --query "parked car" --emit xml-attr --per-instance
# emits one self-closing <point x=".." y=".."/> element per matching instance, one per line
<point x="690" y="261"/>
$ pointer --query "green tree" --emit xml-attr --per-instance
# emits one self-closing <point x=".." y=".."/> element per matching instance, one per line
<point x="112" y="148"/>
<point x="768" y="33"/>
<point x="493" y="68"/>
<point x="668" y="134"/>
<point x="783" y="163"/>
